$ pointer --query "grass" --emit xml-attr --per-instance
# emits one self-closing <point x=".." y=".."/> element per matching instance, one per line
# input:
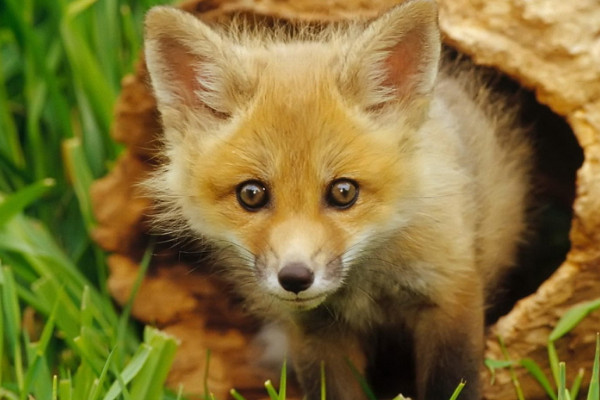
<point x="61" y="62"/>
<point x="556" y="387"/>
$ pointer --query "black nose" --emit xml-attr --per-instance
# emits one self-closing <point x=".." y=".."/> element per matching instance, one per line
<point x="295" y="277"/>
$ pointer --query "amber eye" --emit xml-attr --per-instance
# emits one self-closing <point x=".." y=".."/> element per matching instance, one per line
<point x="252" y="195"/>
<point x="342" y="193"/>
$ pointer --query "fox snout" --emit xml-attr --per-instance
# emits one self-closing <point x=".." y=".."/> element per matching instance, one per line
<point x="299" y="267"/>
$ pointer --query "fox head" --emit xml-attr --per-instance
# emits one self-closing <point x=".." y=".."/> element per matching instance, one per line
<point x="293" y="154"/>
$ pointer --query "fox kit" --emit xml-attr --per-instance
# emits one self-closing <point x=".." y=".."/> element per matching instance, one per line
<point x="353" y="182"/>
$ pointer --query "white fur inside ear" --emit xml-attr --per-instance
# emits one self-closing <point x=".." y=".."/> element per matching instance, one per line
<point x="396" y="58"/>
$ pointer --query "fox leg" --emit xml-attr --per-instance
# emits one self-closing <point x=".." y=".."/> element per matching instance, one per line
<point x="336" y="353"/>
<point x="449" y="349"/>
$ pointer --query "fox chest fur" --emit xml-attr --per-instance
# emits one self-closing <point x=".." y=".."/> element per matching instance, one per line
<point x="350" y="179"/>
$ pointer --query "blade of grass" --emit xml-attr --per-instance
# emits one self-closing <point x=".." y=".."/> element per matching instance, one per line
<point x="96" y="390"/>
<point x="234" y="393"/>
<point x="513" y="375"/>
<point x="106" y="32"/>
<point x="54" y="387"/>
<point x="572" y="317"/>
<point x="81" y="177"/>
<point x="179" y="392"/>
<point x="493" y="365"/>
<point x="9" y="139"/>
<point x="362" y="381"/>
<point x="206" y="369"/>
<point x="16" y="202"/>
<point x="12" y="318"/>
<point x="129" y="372"/>
<point x="323" y="382"/>
<point x="577" y="384"/>
<point x="594" y="390"/>
<point x="40" y="348"/>
<point x="562" y="382"/>
<point x="283" y="381"/>
<point x="13" y="176"/>
<point x="65" y="389"/>
<point x="271" y="390"/>
<point x="86" y="72"/>
<point x="2" y="316"/>
<point x="81" y="381"/>
<point x="122" y="328"/>
<point x="149" y="382"/>
<point x="534" y="369"/>
<point x="457" y="391"/>
<point x="554" y="362"/>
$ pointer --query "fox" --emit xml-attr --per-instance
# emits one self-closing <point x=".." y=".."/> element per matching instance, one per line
<point x="362" y="190"/>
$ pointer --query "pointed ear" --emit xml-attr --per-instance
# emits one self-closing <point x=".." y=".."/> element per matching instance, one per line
<point x="184" y="58"/>
<point x="395" y="59"/>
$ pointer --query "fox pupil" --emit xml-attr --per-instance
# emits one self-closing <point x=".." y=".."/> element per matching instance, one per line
<point x="252" y="195"/>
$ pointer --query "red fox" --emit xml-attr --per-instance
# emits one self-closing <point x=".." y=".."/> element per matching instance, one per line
<point x="354" y="182"/>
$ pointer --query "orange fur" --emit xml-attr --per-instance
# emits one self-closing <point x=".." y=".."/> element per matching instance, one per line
<point x="440" y="167"/>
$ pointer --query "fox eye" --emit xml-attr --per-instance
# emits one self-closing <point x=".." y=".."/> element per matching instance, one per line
<point x="342" y="193"/>
<point x="252" y="195"/>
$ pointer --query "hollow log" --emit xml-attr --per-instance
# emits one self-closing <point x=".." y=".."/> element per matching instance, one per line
<point x="551" y="47"/>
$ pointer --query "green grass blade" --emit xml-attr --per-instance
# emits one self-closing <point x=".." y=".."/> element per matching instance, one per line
<point x="87" y="72"/>
<point x="38" y="363"/>
<point x="572" y="317"/>
<point x="534" y="369"/>
<point x="12" y="322"/>
<point x="77" y="7"/>
<point x="82" y="381"/>
<point x="594" y="390"/>
<point x="577" y="384"/>
<point x="123" y="326"/>
<point x="493" y="365"/>
<point x="129" y="372"/>
<point x="271" y="390"/>
<point x="554" y="362"/>
<point x="283" y="381"/>
<point x="562" y="382"/>
<point x="513" y="375"/>
<point x="362" y="381"/>
<point x="1" y="328"/>
<point x="234" y="393"/>
<point x="179" y="392"/>
<point x="81" y="177"/>
<point x="9" y="137"/>
<point x="65" y="389"/>
<point x="205" y="378"/>
<point x="16" y="202"/>
<point x="323" y="382"/>
<point x="457" y="391"/>
<point x="54" y="387"/>
<point x="149" y="382"/>
<point x="96" y="390"/>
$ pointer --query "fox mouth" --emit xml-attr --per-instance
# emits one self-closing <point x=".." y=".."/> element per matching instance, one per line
<point x="303" y="303"/>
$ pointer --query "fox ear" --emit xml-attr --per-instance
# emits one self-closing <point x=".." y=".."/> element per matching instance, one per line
<point x="395" y="59"/>
<point x="184" y="58"/>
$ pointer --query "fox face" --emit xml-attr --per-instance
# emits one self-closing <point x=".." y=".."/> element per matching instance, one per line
<point x="293" y="155"/>
<point x="297" y="188"/>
